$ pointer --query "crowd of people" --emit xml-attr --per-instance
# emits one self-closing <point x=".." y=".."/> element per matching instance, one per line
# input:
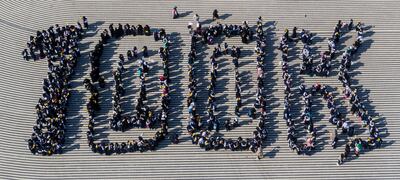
<point x="287" y="80"/>
<point x="60" y="46"/>
<point x="201" y="134"/>
<point x="206" y="35"/>
<point x="358" y="109"/>
<point x="336" y="118"/>
<point x="144" y="116"/>
<point x="235" y="53"/>
<point x="324" y="66"/>
<point x="306" y="116"/>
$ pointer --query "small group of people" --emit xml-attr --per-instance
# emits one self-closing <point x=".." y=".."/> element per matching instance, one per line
<point x="94" y="103"/>
<point x="60" y="46"/>
<point x="324" y="67"/>
<point x="205" y="140"/>
<point x="92" y="106"/>
<point x="335" y="117"/>
<point x="358" y="146"/>
<point x="144" y="116"/>
<point x="54" y="42"/>
<point x="196" y="17"/>
<point x="326" y="57"/>
<point x="121" y="30"/>
<point x="306" y="38"/>
<point x="94" y="57"/>
<point x="209" y="34"/>
<point x="307" y="65"/>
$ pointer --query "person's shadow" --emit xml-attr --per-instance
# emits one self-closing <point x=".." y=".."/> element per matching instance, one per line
<point x="184" y="14"/>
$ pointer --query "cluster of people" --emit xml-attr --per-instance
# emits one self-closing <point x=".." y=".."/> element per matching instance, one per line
<point x="307" y="118"/>
<point x="336" y="117"/>
<point x="261" y="104"/>
<point x="94" y="103"/>
<point x="357" y="108"/>
<point x="121" y="30"/>
<point x="324" y="67"/>
<point x="144" y="117"/>
<point x="54" y="42"/>
<point x="235" y="53"/>
<point x="212" y="121"/>
<point x="140" y="145"/>
<point x="94" y="57"/>
<point x="287" y="79"/>
<point x="306" y="39"/>
<point x="209" y="34"/>
<point x="205" y="140"/>
<point x="203" y="136"/>
<point x="60" y="46"/>
<point x="261" y="132"/>
<point x="194" y="119"/>
<point x="118" y="121"/>
<point x="358" y="145"/>
<point x="92" y="106"/>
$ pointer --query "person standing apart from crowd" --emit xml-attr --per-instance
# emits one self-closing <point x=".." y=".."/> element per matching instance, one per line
<point x="175" y="13"/>
<point x="85" y="22"/>
<point x="215" y="15"/>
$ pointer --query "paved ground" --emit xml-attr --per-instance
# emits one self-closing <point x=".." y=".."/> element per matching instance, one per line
<point x="375" y="73"/>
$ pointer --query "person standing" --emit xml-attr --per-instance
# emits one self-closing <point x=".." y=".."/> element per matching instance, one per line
<point x="215" y="15"/>
<point x="85" y="22"/>
<point x="340" y="159"/>
<point x="175" y="13"/>
<point x="260" y="153"/>
<point x="333" y="138"/>
<point x="25" y="54"/>
<point x="196" y="18"/>
<point x="350" y="25"/>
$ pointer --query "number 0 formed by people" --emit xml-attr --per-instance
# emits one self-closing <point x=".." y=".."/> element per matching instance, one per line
<point x="201" y="132"/>
<point x="144" y="116"/>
